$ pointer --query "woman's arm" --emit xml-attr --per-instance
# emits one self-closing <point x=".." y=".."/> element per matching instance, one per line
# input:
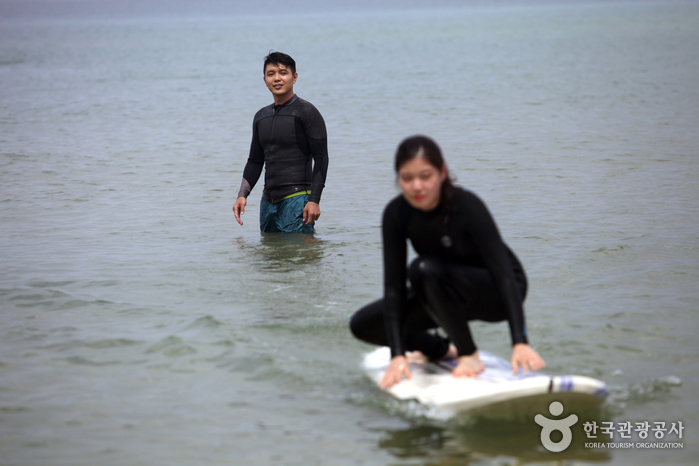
<point x="495" y="255"/>
<point x="395" y="289"/>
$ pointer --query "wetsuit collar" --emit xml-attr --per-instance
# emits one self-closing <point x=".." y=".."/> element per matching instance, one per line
<point x="434" y="212"/>
<point x="293" y="99"/>
<point x="427" y="213"/>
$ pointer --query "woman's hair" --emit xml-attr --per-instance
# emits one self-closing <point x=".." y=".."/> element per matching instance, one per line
<point x="422" y="146"/>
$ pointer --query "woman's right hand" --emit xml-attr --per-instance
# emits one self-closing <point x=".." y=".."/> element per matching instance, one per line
<point x="397" y="368"/>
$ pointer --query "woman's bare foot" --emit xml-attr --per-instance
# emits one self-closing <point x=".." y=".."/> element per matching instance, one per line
<point x="468" y="366"/>
<point x="419" y="356"/>
<point x="416" y="356"/>
<point x="452" y="353"/>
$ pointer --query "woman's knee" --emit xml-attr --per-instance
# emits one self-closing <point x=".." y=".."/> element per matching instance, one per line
<point x="425" y="268"/>
<point x="367" y="322"/>
<point x="356" y="327"/>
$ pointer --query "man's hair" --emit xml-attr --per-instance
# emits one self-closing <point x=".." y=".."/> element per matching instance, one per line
<point x="279" y="58"/>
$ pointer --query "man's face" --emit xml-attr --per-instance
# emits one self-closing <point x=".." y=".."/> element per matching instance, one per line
<point x="279" y="79"/>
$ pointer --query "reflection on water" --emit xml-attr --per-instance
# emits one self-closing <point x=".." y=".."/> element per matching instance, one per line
<point x="466" y="441"/>
<point x="285" y="277"/>
<point x="119" y="144"/>
<point x="282" y="252"/>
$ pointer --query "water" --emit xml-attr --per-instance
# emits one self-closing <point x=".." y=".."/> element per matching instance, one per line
<point x="142" y="325"/>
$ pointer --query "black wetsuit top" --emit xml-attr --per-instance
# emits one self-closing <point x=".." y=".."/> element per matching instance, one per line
<point x="291" y="143"/>
<point x="470" y="237"/>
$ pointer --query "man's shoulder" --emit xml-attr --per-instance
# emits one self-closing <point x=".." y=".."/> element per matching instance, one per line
<point x="264" y="112"/>
<point x="303" y="103"/>
<point x="309" y="117"/>
<point x="303" y="108"/>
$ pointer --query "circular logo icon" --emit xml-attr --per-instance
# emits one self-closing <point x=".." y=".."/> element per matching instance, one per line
<point x="561" y="425"/>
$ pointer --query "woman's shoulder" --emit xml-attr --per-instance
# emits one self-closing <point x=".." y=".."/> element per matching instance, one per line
<point x="396" y="204"/>
<point x="396" y="209"/>
<point x="469" y="203"/>
<point x="466" y="196"/>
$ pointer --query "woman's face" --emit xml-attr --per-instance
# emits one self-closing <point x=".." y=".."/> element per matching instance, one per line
<point x="421" y="183"/>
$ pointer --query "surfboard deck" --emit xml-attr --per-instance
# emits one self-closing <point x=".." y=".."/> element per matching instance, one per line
<point x="495" y="393"/>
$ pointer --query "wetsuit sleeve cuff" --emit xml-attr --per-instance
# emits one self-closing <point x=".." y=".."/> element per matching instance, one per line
<point x="521" y="338"/>
<point x="244" y="189"/>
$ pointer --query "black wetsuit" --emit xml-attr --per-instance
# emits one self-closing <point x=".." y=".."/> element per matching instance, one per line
<point x="464" y="272"/>
<point x="290" y="142"/>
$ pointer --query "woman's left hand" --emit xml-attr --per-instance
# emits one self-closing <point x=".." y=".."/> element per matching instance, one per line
<point x="525" y="356"/>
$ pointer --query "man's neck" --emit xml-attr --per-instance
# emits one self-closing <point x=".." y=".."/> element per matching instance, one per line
<point x="281" y="100"/>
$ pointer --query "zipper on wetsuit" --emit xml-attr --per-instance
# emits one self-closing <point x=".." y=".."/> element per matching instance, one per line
<point x="271" y="131"/>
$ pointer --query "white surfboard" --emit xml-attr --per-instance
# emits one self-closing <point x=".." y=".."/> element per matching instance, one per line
<point x="495" y="393"/>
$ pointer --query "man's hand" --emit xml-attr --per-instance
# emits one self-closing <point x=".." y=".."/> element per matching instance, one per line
<point x="239" y="208"/>
<point x="311" y="212"/>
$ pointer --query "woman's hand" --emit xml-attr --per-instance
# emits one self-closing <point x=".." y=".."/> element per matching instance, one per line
<point x="397" y="368"/>
<point x="525" y="356"/>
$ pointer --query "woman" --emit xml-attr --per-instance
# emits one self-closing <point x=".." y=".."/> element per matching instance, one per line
<point x="464" y="272"/>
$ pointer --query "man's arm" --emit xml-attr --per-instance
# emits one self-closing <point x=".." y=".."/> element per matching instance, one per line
<point x="317" y="139"/>
<point x="251" y="173"/>
<point x="319" y="152"/>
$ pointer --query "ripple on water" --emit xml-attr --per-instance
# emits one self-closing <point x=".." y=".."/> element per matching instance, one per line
<point x="83" y="361"/>
<point x="172" y="346"/>
<point x="112" y="343"/>
<point x="647" y="391"/>
<point x="205" y="322"/>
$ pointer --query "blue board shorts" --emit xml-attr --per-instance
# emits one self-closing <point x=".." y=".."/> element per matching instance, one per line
<point x="286" y="216"/>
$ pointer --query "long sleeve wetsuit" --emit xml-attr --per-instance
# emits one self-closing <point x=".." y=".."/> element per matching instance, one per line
<point x="290" y="142"/>
<point x="464" y="272"/>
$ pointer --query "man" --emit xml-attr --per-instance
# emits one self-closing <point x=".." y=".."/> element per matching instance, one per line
<point x="290" y="141"/>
